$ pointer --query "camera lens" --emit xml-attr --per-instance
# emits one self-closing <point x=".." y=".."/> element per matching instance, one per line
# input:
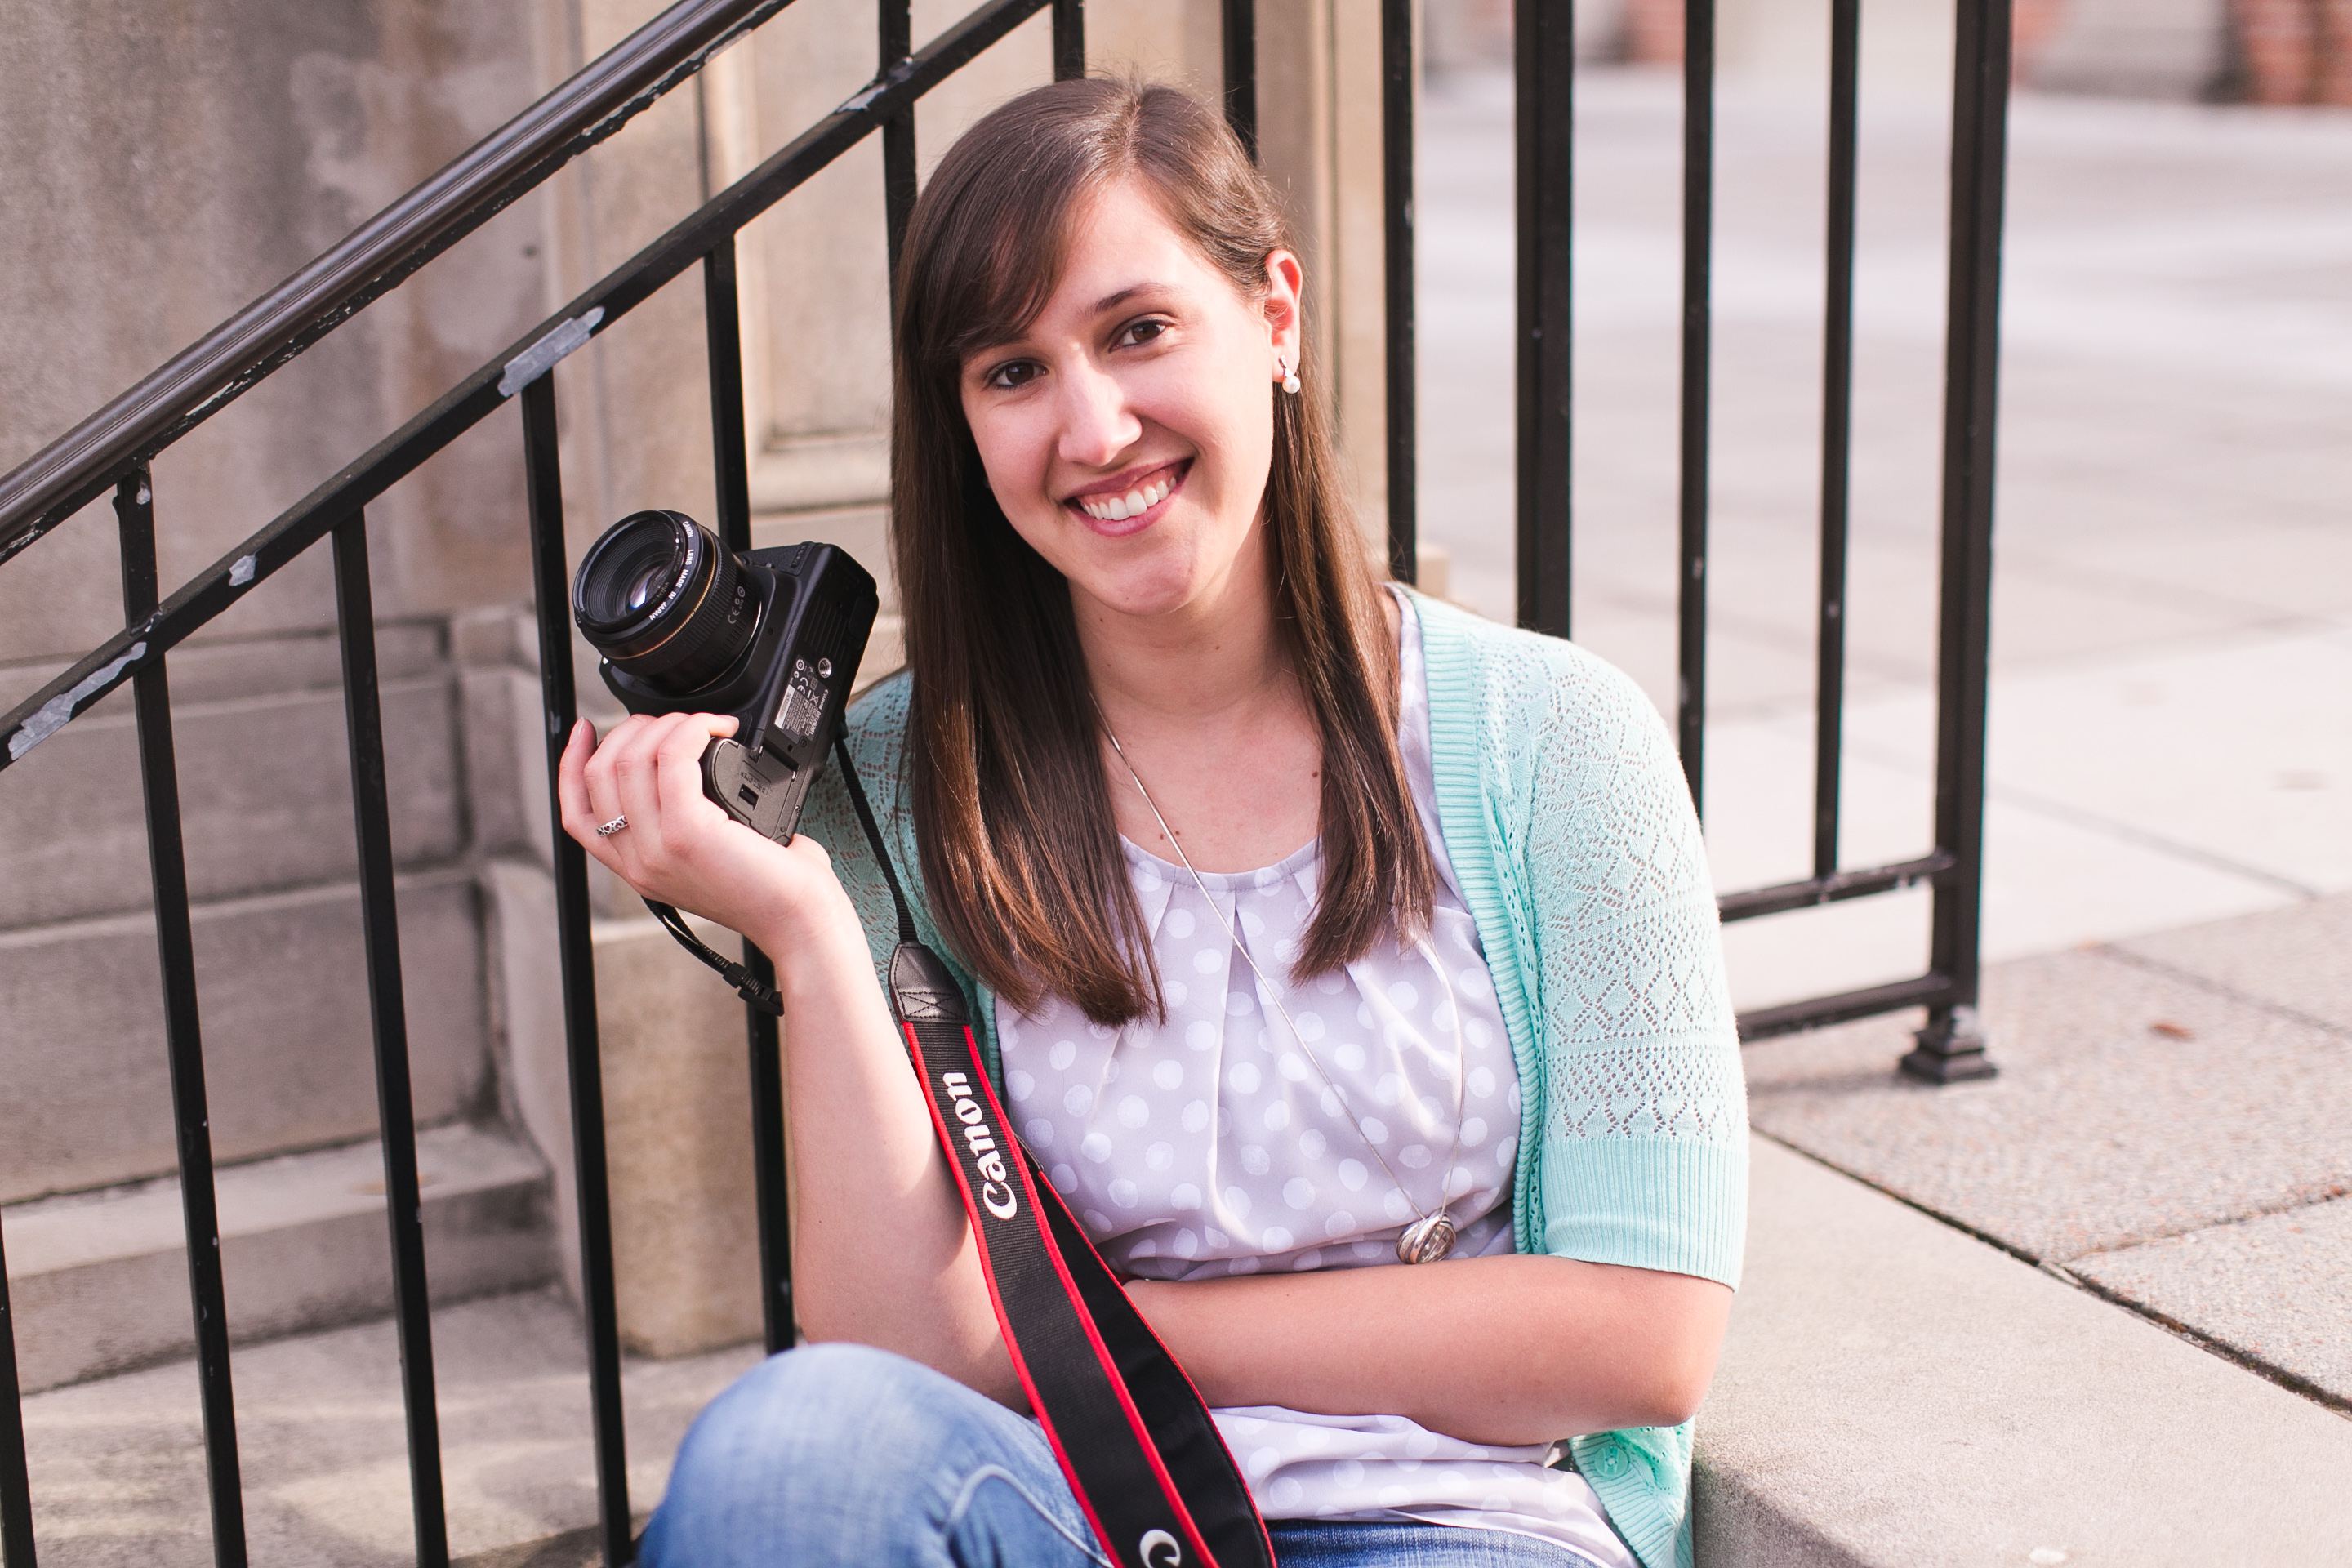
<point x="663" y="599"/>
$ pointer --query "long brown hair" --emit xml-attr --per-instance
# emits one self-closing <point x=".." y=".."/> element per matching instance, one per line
<point x="1013" y="813"/>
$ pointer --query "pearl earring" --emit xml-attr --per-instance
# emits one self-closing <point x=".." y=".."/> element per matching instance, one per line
<point x="1289" y="376"/>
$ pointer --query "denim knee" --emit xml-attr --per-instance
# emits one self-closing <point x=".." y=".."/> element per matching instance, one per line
<point x="828" y="1453"/>
<point x="801" y="1419"/>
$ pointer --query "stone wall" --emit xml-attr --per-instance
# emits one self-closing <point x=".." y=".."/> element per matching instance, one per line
<point x="182" y="161"/>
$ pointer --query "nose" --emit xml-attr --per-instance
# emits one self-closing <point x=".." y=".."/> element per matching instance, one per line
<point x="1097" y="424"/>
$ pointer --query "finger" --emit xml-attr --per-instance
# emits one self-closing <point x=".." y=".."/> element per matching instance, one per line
<point x="635" y="794"/>
<point x="679" y="764"/>
<point x="576" y="811"/>
<point x="603" y="793"/>
<point x="571" y="777"/>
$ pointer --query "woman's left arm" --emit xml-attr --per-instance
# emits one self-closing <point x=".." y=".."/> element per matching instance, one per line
<point x="1504" y="1350"/>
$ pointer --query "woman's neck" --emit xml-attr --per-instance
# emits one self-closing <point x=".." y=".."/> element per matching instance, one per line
<point x="1192" y="666"/>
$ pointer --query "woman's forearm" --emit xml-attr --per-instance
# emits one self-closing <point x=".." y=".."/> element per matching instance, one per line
<point x="882" y="1254"/>
<point x="1504" y="1350"/>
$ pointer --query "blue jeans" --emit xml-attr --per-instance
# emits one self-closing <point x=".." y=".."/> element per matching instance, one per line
<point x="842" y="1455"/>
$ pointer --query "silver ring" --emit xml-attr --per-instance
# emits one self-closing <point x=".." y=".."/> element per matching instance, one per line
<point x="606" y="830"/>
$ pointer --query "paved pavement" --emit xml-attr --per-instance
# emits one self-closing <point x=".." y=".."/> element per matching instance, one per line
<point x="118" y="1465"/>
<point x="2169" y="822"/>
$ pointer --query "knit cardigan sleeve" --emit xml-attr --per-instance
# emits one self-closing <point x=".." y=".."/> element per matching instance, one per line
<point x="1572" y="832"/>
<point x="1644" y="1151"/>
<point x="1575" y="835"/>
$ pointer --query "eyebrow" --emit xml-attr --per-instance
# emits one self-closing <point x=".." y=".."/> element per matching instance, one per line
<point x="1109" y="302"/>
<point x="1112" y="301"/>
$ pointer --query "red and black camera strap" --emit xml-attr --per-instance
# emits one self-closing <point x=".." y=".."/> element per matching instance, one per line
<point x="1142" y="1455"/>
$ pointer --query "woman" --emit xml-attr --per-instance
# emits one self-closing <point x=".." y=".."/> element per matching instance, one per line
<point x="1273" y="884"/>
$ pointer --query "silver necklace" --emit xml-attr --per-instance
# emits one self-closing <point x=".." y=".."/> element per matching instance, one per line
<point x="1431" y="1237"/>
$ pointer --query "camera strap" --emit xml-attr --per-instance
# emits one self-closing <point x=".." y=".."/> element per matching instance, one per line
<point x="1141" y="1452"/>
<point x="747" y="985"/>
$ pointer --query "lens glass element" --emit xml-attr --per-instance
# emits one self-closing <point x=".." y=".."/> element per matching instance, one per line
<point x="648" y="583"/>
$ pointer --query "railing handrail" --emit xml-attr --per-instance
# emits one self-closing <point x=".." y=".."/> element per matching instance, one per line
<point x="217" y="368"/>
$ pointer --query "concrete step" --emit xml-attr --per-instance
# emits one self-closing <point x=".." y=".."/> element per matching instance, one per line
<point x="1894" y="1392"/>
<point x="118" y="1468"/>
<point x="281" y="984"/>
<point x="265" y="795"/>
<point x="98" y="1280"/>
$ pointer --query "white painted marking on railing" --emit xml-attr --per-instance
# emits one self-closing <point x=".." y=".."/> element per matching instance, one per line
<point x="52" y="715"/>
<point x="541" y="356"/>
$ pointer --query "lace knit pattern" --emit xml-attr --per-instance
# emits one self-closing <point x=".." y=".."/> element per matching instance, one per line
<point x="1613" y="898"/>
<point x="1573" y="837"/>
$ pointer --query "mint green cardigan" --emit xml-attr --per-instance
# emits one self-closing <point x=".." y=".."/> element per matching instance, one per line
<point x="1570" y="829"/>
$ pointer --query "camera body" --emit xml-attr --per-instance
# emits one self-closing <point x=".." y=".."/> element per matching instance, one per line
<point x="772" y="637"/>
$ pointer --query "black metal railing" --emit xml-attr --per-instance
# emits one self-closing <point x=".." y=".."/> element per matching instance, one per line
<point x="115" y="449"/>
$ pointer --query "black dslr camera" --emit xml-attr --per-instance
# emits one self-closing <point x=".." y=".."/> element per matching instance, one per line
<point x="772" y="637"/>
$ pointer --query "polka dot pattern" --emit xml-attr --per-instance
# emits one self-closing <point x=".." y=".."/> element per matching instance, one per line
<point x="1223" y="1149"/>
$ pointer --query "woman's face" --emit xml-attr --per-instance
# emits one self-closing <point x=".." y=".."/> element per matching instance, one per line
<point x="1147" y="381"/>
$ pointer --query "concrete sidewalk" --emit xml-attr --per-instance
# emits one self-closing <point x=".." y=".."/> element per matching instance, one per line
<point x="2167" y="1130"/>
<point x="1894" y="1395"/>
<point x="118" y="1465"/>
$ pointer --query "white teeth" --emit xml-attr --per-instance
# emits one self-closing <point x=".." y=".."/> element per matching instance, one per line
<point x="1117" y="509"/>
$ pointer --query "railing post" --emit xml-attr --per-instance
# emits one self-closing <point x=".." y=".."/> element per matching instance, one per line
<point x="1069" y="39"/>
<point x="543" y="485"/>
<point x="1952" y="1047"/>
<point x="1240" y="38"/>
<point x="15" y="1483"/>
<point x="1396" y="171"/>
<point x="722" y="323"/>
<point x="395" y="1105"/>
<point x="175" y="949"/>
<point x="1698" y="255"/>
<point x="1837" y="432"/>
<point x="897" y="43"/>
<point x="1543" y="41"/>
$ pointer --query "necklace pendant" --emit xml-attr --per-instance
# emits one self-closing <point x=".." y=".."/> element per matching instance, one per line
<point x="1426" y="1239"/>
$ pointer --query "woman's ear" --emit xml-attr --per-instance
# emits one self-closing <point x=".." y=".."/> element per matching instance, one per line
<point x="1283" y="284"/>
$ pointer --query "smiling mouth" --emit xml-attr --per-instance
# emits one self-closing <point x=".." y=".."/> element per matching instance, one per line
<point x="1138" y="500"/>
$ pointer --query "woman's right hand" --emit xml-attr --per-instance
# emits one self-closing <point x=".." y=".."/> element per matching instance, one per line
<point x="679" y="846"/>
<point x="888" y="1256"/>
